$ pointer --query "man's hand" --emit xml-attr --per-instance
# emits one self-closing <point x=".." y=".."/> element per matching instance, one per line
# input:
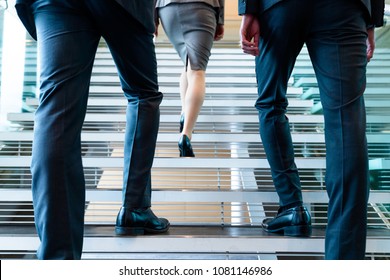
<point x="370" y="43"/>
<point x="250" y="34"/>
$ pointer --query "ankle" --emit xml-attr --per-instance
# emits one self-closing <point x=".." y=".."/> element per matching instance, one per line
<point x="290" y="205"/>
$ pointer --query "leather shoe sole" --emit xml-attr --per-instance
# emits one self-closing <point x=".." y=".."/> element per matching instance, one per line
<point x="304" y="230"/>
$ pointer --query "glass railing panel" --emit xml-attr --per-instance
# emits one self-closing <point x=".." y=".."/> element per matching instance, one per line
<point x="18" y="60"/>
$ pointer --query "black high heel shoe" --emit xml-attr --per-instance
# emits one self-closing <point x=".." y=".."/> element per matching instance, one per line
<point x="185" y="147"/>
<point x="181" y="123"/>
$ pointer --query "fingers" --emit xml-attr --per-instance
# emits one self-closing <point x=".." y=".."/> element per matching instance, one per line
<point x="156" y="29"/>
<point x="249" y="46"/>
<point x="370" y="54"/>
<point x="218" y="37"/>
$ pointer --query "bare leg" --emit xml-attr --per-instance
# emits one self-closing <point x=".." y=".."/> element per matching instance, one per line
<point x="193" y="98"/>
<point x="183" y="89"/>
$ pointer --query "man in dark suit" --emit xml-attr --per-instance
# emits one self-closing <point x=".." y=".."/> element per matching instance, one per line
<point x="339" y="35"/>
<point x="68" y="33"/>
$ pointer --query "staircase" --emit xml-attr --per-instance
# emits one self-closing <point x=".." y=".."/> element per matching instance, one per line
<point x="216" y="201"/>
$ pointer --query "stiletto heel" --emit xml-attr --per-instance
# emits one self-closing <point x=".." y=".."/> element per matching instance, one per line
<point x="185" y="147"/>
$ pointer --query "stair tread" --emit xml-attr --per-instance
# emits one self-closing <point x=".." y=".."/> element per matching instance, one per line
<point x="177" y="231"/>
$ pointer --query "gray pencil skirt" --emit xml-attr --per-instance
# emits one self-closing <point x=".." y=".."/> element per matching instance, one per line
<point x="190" y="28"/>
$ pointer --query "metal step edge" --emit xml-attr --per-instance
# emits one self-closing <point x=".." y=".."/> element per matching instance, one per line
<point x="18" y="136"/>
<point x="96" y="117"/>
<point x="247" y="196"/>
<point x="203" y="163"/>
<point x="194" y="244"/>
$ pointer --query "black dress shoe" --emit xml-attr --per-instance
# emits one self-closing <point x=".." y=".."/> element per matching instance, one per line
<point x="139" y="221"/>
<point x="185" y="147"/>
<point x="295" y="221"/>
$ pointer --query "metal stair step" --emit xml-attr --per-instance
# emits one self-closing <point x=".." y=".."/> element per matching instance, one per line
<point x="211" y="240"/>
<point x="184" y="195"/>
